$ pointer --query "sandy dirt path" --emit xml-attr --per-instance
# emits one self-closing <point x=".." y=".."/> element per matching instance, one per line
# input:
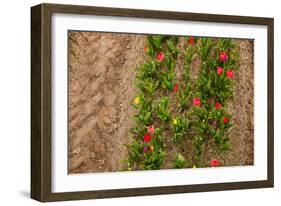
<point x="101" y="76"/>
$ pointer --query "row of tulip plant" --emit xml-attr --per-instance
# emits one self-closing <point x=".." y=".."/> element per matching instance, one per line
<point x="171" y="109"/>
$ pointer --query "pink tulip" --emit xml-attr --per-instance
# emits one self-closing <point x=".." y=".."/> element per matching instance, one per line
<point x="150" y="129"/>
<point x="196" y="101"/>
<point x="219" y="70"/>
<point x="160" y="57"/>
<point x="223" y="57"/>
<point x="230" y="74"/>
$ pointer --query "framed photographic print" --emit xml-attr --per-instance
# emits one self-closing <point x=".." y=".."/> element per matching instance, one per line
<point x="132" y="102"/>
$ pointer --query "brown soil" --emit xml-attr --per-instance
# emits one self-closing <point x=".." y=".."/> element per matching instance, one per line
<point x="101" y="77"/>
<point x="101" y="88"/>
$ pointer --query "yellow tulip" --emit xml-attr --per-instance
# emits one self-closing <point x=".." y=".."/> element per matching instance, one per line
<point x="137" y="100"/>
<point x="175" y="121"/>
<point x="151" y="148"/>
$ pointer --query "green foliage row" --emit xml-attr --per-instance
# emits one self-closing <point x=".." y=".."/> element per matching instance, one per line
<point x="202" y="121"/>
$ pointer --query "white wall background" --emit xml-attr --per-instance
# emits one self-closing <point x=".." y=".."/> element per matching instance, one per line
<point x="15" y="102"/>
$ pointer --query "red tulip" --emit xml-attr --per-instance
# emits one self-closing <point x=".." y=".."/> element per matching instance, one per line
<point x="218" y="105"/>
<point x="176" y="88"/>
<point x="144" y="149"/>
<point x="197" y="101"/>
<point x="150" y="129"/>
<point x="191" y="40"/>
<point x="214" y="163"/>
<point x="229" y="73"/>
<point x="223" y="57"/>
<point x="147" y="137"/>
<point x="219" y="70"/>
<point x="160" y="57"/>
<point x="225" y="120"/>
<point x="145" y="49"/>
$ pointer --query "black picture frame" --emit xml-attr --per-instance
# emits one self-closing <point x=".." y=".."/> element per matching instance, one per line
<point x="41" y="117"/>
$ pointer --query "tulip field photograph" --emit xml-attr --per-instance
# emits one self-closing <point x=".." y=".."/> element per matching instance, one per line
<point x="151" y="102"/>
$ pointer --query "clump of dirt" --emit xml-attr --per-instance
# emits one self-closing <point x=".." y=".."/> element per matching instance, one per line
<point x="101" y="89"/>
